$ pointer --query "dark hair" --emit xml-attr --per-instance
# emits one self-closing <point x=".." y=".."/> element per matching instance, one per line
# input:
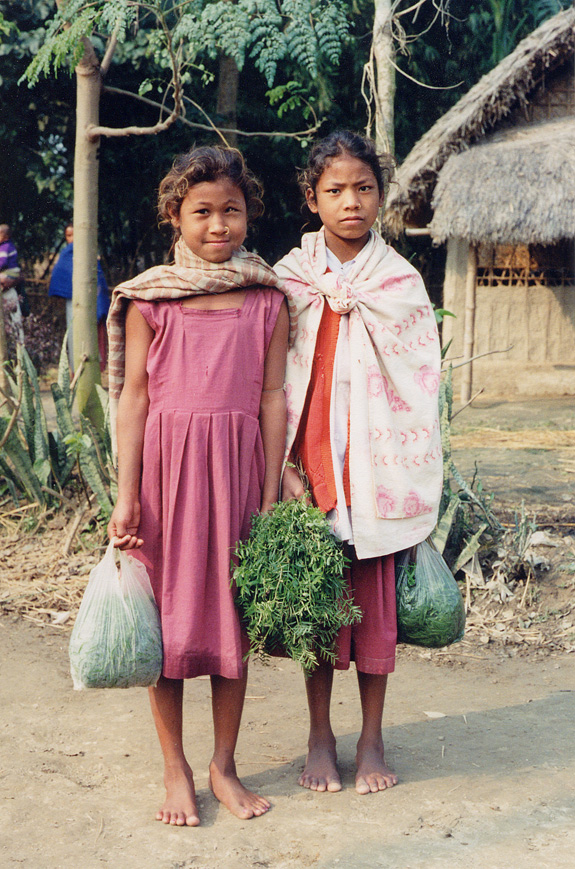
<point x="208" y="163"/>
<point x="339" y="144"/>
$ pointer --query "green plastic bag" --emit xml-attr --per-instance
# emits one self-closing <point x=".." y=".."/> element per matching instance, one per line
<point x="430" y="609"/>
<point x="116" y="641"/>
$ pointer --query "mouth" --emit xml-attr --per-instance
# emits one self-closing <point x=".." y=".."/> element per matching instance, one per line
<point x="355" y="219"/>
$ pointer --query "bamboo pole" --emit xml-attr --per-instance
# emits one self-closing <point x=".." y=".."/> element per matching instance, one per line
<point x="469" y="324"/>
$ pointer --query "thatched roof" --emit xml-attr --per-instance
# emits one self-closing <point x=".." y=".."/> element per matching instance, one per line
<point x="507" y="87"/>
<point x="517" y="188"/>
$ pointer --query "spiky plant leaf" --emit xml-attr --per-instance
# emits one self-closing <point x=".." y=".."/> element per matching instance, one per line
<point x="19" y="461"/>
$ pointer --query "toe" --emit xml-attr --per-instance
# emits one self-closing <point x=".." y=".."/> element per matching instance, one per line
<point x="362" y="786"/>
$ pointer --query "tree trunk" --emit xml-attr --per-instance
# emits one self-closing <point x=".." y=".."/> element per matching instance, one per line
<point x="384" y="56"/>
<point x="85" y="280"/>
<point x="227" y="104"/>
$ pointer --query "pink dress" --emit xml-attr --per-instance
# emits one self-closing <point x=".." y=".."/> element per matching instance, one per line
<point x="203" y="470"/>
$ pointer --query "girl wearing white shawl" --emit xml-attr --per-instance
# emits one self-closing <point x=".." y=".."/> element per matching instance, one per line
<point x="361" y="385"/>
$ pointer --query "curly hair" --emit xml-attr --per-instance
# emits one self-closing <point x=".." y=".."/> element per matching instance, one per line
<point x="343" y="143"/>
<point x="208" y="163"/>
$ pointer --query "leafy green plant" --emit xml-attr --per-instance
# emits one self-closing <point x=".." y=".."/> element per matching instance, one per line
<point x="290" y="584"/>
<point x="37" y="464"/>
<point x="466" y="519"/>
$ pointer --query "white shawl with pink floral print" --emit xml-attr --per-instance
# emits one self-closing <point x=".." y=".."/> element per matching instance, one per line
<point x="395" y="457"/>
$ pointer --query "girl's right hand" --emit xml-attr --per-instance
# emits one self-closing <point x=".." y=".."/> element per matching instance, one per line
<point x="292" y="486"/>
<point x="123" y="525"/>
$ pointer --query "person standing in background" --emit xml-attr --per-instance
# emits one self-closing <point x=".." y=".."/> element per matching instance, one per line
<point x="61" y="285"/>
<point x="9" y="279"/>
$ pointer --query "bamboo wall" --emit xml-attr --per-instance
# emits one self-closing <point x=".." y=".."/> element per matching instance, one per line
<point x="537" y="322"/>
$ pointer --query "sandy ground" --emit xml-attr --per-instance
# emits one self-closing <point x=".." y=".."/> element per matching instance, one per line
<point x="487" y="780"/>
<point x="490" y="784"/>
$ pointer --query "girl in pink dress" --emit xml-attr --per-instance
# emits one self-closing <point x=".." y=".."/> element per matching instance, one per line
<point x="197" y="357"/>
<point x="361" y="384"/>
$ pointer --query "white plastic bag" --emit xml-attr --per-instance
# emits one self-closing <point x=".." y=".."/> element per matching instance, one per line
<point x="116" y="641"/>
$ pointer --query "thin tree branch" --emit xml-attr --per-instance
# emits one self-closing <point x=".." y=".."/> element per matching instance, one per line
<point x="422" y="84"/>
<point x="211" y="127"/>
<point x="109" y="53"/>
<point x="467" y="403"/>
<point x="481" y="355"/>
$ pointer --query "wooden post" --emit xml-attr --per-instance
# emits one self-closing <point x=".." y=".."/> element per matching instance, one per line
<point x="469" y="324"/>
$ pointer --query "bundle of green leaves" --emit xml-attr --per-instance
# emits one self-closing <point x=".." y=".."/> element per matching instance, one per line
<point x="291" y="590"/>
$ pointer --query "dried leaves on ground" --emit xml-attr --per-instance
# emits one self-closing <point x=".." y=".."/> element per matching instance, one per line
<point x="519" y="608"/>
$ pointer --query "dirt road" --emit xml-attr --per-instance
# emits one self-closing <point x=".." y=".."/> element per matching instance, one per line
<point x="490" y="784"/>
<point x="481" y="738"/>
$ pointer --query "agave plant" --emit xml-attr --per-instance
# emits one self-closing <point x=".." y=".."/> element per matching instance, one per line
<point x="35" y="463"/>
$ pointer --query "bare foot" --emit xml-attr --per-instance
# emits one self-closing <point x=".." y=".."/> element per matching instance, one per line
<point x="228" y="789"/>
<point x="320" y="771"/>
<point x="180" y="808"/>
<point x="373" y="774"/>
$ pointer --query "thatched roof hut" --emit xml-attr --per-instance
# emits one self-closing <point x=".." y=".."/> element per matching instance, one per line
<point x="495" y="179"/>
<point x="506" y="88"/>
<point x="517" y="188"/>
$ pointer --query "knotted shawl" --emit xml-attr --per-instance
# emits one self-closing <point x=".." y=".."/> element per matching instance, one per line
<point x="395" y="456"/>
<point x="190" y="275"/>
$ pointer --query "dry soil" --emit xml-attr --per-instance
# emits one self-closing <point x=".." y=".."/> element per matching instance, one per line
<point x="481" y="738"/>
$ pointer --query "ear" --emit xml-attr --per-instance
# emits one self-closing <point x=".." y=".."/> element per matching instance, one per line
<point x="382" y="199"/>
<point x="174" y="219"/>
<point x="311" y="200"/>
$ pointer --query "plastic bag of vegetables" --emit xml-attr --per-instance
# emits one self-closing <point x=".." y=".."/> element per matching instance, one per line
<point x="291" y="590"/>
<point x="430" y="609"/>
<point x="116" y="641"/>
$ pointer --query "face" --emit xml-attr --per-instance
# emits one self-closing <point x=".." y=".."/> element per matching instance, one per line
<point x="347" y="200"/>
<point x="69" y="234"/>
<point x="213" y="219"/>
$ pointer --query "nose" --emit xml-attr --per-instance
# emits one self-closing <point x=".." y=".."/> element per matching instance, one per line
<point x="218" y="225"/>
<point x="351" y="200"/>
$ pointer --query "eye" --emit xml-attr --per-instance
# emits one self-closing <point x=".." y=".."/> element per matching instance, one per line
<point x="333" y="190"/>
<point x="232" y="208"/>
<point x="365" y="188"/>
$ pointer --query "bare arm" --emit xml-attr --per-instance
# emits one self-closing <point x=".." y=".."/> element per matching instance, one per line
<point x="132" y="414"/>
<point x="273" y="409"/>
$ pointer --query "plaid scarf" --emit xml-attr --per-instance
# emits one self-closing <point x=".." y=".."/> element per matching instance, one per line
<point x="190" y="275"/>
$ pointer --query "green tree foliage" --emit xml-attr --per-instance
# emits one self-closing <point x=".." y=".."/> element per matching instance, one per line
<point x="129" y="238"/>
<point x="308" y="31"/>
<point x="37" y="126"/>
